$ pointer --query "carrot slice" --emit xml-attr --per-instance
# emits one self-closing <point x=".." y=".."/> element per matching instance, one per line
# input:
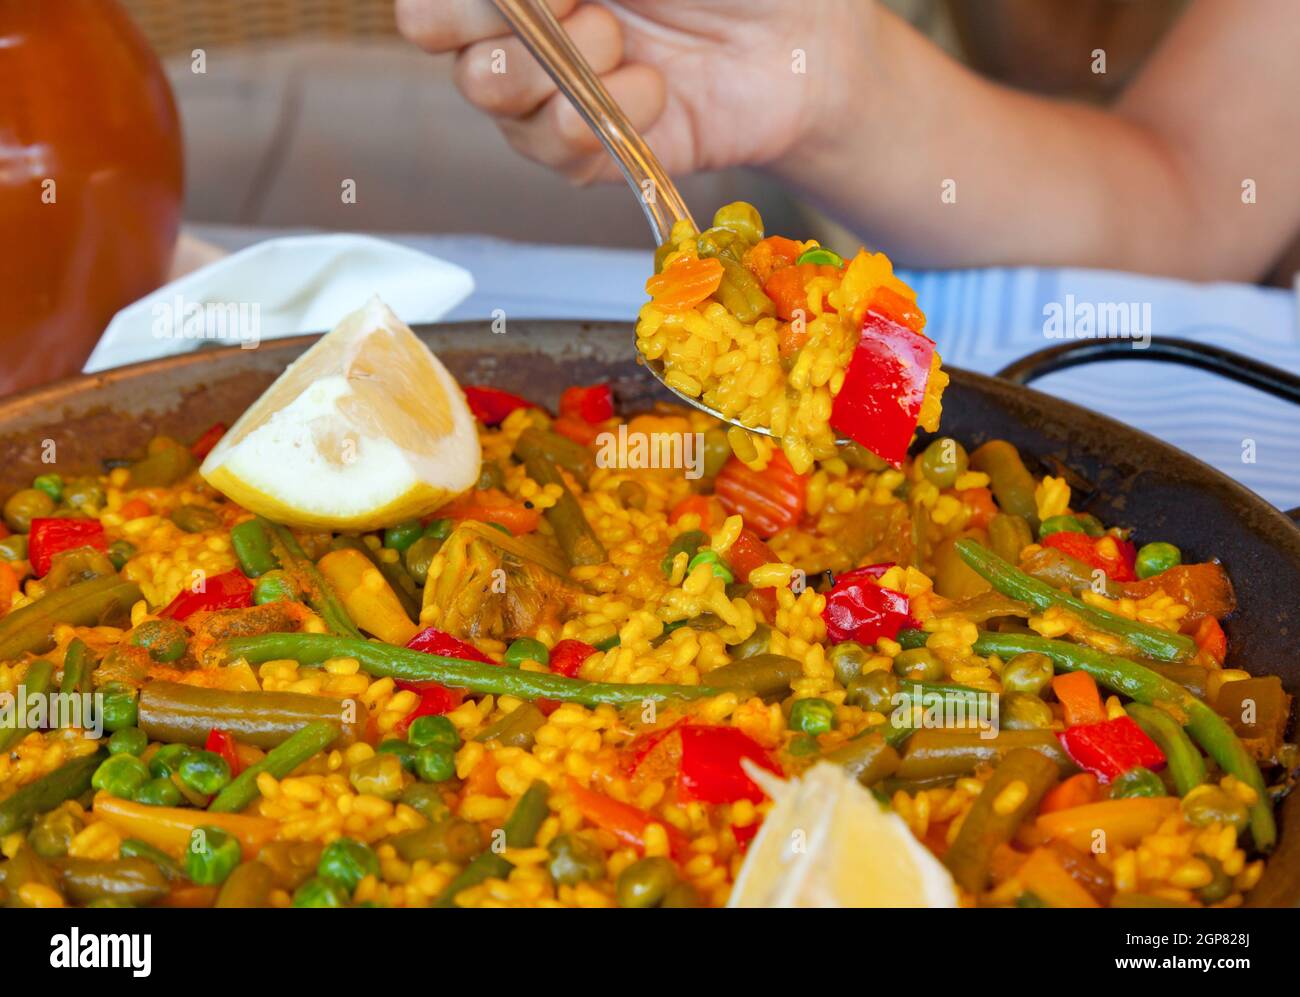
<point x="489" y="505"/>
<point x="1076" y="791"/>
<point x="1077" y="693"/>
<point x="770" y="500"/>
<point x="684" y="283"/>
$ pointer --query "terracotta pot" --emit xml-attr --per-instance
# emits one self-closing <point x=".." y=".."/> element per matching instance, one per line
<point x="90" y="180"/>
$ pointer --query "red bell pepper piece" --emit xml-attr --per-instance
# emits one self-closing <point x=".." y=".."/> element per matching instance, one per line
<point x="592" y="404"/>
<point x="1211" y="639"/>
<point x="710" y="768"/>
<point x="770" y="500"/>
<point x="221" y="743"/>
<point x="747" y="553"/>
<point x="624" y="821"/>
<point x="1110" y="748"/>
<point x="568" y="655"/>
<point x="436" y="699"/>
<point x="230" y="590"/>
<point x="1089" y="550"/>
<point x="201" y="447"/>
<point x="53" y="536"/>
<point x="884" y="386"/>
<point x="859" y="608"/>
<point x="491" y="405"/>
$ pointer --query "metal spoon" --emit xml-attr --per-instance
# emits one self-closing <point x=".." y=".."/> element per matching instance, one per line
<point x="659" y="197"/>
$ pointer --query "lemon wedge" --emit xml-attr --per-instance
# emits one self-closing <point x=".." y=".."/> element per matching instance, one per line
<point x="364" y="430"/>
<point x="829" y="843"/>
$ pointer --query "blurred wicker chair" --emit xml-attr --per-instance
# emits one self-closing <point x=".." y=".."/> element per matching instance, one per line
<point x="175" y="26"/>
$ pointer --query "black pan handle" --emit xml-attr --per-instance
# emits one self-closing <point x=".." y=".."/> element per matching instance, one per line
<point x="1234" y="366"/>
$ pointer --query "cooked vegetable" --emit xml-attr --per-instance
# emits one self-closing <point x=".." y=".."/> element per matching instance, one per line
<point x="1186" y="766"/>
<point x="35" y="684"/>
<point x="31" y="628"/>
<point x="177" y="713"/>
<point x="67" y="782"/>
<point x="1012" y="484"/>
<point x="934" y="754"/>
<point x="520" y="830"/>
<point x="367" y="598"/>
<point x="252" y="545"/>
<point x="280" y="761"/>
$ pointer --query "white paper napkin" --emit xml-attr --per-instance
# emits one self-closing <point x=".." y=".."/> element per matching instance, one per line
<point x="280" y="287"/>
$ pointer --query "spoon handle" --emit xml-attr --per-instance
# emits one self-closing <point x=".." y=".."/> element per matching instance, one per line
<point x="551" y="46"/>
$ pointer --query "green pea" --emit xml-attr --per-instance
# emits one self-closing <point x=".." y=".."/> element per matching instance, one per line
<point x="275" y="585"/>
<point x="319" y="893"/>
<point x="211" y="856"/>
<point x="646" y="882"/>
<point x="439" y="529"/>
<point x="918" y="664"/>
<point x="527" y="649"/>
<point x="741" y="218"/>
<point x="1137" y="781"/>
<point x="402" y="535"/>
<point x="121" y="775"/>
<point x="1060" y="524"/>
<point x="166" y="761"/>
<point x="128" y="741"/>
<point x="13" y="548"/>
<point x="347" y="862"/>
<point x="24" y="506"/>
<point x="50" y="484"/>
<point x="419" y="556"/>
<point x="812" y="716"/>
<point x="1021" y="711"/>
<point x="755" y="644"/>
<point x="195" y="518"/>
<point x="165" y="640"/>
<point x="1154" y="558"/>
<point x="435" y="763"/>
<point x="874" y="691"/>
<point x="1029" y="672"/>
<point x="205" y="772"/>
<point x="119" y="707"/>
<point x="379" y="775"/>
<point x="405" y="752"/>
<point x="710" y="557"/>
<point x="52" y="833"/>
<point x="80" y="492"/>
<point x="944" y="461"/>
<point x="846" y="660"/>
<point x="436" y="730"/>
<point x="574" y="859"/>
<point x="158" y="793"/>
<point x="821" y="256"/>
<point x="119" y="552"/>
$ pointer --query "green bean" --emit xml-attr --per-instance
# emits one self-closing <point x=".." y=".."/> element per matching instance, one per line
<point x="195" y="519"/>
<point x="1186" y="765"/>
<point x="988" y="823"/>
<point x="1014" y="583"/>
<point x="279" y="761"/>
<point x="253" y="548"/>
<point x="177" y="713"/>
<point x="741" y="293"/>
<point x="397" y="576"/>
<point x="69" y="780"/>
<point x="85" y="604"/>
<point x="684" y="543"/>
<point x="1139" y="683"/>
<point x="867" y="759"/>
<point x="78" y="668"/>
<point x="935" y="753"/>
<point x="517" y="729"/>
<point x="134" y="848"/>
<point x="447" y="840"/>
<point x="1009" y="534"/>
<point x="765" y="675"/>
<point x="35" y="684"/>
<point x="248" y="887"/>
<point x="1010" y="480"/>
<point x="521" y="829"/>
<point x="386" y="661"/>
<point x="320" y="594"/>
<point x="576" y="537"/>
<point x="135" y="881"/>
<point x="561" y="451"/>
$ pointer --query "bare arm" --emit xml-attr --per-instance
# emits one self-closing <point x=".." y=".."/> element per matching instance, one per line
<point x="1154" y="184"/>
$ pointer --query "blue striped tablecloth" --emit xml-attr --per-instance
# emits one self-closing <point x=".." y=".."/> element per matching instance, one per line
<point x="982" y="320"/>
